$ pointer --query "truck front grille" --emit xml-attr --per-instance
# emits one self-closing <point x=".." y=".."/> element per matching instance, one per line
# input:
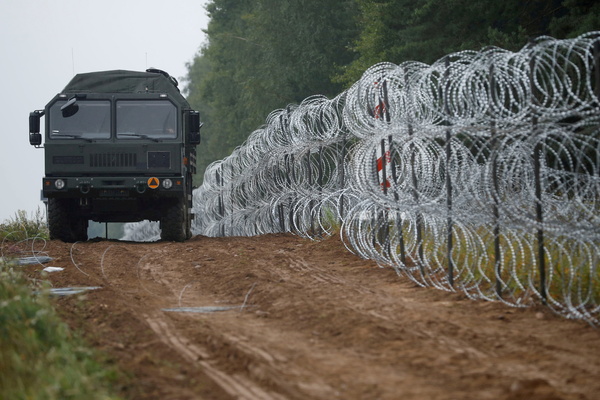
<point x="113" y="160"/>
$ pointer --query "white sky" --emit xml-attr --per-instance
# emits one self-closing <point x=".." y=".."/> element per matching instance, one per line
<point x="44" y="42"/>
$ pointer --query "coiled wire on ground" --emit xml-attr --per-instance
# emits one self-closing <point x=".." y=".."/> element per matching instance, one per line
<point x="478" y="173"/>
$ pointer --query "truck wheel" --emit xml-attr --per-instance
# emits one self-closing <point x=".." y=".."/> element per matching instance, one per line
<point x="174" y="226"/>
<point x="62" y="224"/>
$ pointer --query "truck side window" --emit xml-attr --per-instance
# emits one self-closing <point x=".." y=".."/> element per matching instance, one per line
<point x="154" y="119"/>
<point x="91" y="121"/>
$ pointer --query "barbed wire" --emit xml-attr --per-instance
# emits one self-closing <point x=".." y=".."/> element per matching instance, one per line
<point x="478" y="173"/>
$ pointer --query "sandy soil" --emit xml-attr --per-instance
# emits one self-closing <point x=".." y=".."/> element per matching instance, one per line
<point x="307" y="320"/>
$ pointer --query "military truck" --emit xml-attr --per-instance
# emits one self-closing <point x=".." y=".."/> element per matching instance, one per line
<point x="120" y="146"/>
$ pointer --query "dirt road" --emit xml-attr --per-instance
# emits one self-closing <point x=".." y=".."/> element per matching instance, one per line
<point x="307" y="320"/>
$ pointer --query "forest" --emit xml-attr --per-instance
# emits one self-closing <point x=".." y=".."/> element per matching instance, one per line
<point x="261" y="55"/>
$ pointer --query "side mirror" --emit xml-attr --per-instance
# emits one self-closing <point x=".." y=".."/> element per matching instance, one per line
<point x="194" y="126"/>
<point x="70" y="108"/>
<point x="35" y="137"/>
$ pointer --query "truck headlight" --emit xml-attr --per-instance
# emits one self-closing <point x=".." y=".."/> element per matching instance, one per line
<point x="167" y="183"/>
<point x="59" y="184"/>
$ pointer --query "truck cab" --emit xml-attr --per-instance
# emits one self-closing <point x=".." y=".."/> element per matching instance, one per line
<point x="120" y="146"/>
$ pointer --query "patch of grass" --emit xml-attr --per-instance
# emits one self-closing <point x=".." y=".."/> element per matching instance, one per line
<point x="329" y="221"/>
<point x="40" y="357"/>
<point x="22" y="226"/>
<point x="572" y="275"/>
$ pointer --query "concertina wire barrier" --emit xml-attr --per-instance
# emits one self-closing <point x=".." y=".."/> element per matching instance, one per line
<point x="478" y="173"/>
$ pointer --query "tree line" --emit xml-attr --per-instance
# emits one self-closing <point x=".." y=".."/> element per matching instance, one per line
<point x="261" y="55"/>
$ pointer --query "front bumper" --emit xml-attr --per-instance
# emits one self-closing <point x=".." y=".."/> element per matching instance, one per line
<point x="112" y="186"/>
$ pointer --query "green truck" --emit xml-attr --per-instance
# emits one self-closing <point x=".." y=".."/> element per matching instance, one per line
<point x="120" y="146"/>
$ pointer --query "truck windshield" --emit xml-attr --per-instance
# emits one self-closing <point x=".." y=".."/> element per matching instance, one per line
<point x="146" y="119"/>
<point x="91" y="121"/>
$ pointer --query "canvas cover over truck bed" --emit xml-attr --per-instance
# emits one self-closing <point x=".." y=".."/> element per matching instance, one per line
<point x="122" y="81"/>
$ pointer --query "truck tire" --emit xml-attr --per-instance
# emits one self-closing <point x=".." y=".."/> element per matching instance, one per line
<point x="174" y="226"/>
<point x="62" y="224"/>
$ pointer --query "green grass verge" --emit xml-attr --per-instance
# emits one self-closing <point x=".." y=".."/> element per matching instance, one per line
<point x="40" y="358"/>
<point x="22" y="226"/>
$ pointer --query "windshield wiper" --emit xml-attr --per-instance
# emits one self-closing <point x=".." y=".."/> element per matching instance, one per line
<point x="70" y="135"/>
<point x="139" y="135"/>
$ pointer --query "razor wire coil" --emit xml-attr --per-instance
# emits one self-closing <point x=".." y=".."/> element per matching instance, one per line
<point x="479" y="173"/>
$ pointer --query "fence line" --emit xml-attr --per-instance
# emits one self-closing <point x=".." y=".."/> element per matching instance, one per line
<point x="479" y="173"/>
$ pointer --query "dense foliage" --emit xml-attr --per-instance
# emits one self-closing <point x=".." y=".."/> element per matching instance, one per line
<point x="40" y="357"/>
<point x="264" y="54"/>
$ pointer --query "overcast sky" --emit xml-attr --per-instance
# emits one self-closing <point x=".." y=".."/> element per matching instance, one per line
<point x="43" y="43"/>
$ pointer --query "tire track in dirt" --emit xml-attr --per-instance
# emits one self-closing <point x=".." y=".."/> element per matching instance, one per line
<point x="236" y="386"/>
<point x="317" y="323"/>
<point x="150" y="271"/>
<point x="260" y="364"/>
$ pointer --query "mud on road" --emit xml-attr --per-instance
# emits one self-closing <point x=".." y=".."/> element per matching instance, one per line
<point x="307" y="320"/>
